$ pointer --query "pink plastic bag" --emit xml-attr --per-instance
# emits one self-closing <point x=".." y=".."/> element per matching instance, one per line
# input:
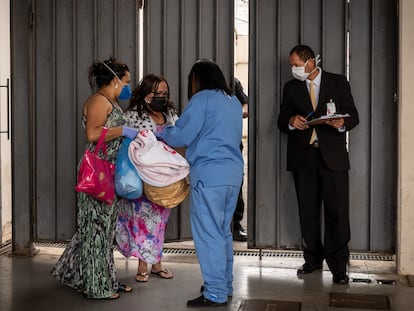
<point x="96" y="175"/>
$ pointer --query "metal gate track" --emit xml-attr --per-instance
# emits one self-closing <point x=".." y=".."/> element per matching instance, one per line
<point x="251" y="253"/>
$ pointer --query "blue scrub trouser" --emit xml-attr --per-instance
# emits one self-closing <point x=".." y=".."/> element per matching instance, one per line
<point x="211" y="213"/>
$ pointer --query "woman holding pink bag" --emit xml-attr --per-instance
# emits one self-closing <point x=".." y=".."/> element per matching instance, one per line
<point x="87" y="264"/>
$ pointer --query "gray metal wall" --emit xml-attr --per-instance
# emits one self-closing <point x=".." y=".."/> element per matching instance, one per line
<point x="277" y="26"/>
<point x="54" y="42"/>
<point x="177" y="33"/>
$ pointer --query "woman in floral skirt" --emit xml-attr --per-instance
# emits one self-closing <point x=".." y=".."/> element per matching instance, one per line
<point x="141" y="224"/>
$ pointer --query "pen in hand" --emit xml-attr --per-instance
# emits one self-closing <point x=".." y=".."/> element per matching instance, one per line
<point x="309" y="114"/>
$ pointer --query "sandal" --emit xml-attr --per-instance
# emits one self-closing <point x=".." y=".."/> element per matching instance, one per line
<point x="124" y="288"/>
<point x="164" y="273"/>
<point x="114" y="296"/>
<point x="142" y="277"/>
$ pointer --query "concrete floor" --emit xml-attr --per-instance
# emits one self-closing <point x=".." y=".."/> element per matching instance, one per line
<point x="25" y="284"/>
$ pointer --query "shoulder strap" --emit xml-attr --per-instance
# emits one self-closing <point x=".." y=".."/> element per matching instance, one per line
<point x="101" y="144"/>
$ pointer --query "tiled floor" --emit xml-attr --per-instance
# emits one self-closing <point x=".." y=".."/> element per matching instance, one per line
<point x="25" y="284"/>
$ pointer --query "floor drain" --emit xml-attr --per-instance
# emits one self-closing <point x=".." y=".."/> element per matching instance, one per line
<point x="361" y="280"/>
<point x="247" y="253"/>
<point x="269" y="305"/>
<point x="387" y="282"/>
<point x="360" y="301"/>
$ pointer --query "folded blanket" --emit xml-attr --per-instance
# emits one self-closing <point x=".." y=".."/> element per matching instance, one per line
<point x="157" y="163"/>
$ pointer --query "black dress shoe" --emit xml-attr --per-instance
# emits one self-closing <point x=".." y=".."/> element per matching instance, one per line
<point x="202" y="288"/>
<point x="204" y="302"/>
<point x="340" y="278"/>
<point x="308" y="268"/>
<point x="240" y="235"/>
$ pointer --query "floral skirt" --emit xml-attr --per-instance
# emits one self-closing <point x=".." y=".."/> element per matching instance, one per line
<point x="140" y="229"/>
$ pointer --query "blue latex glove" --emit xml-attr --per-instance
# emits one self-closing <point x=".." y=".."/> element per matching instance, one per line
<point x="129" y="132"/>
<point x="158" y="134"/>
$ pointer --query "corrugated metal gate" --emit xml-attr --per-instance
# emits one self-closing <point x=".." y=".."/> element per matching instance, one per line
<point x="54" y="42"/>
<point x="355" y="37"/>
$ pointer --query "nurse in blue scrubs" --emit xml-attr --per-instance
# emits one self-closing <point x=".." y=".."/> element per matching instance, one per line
<point x="210" y="128"/>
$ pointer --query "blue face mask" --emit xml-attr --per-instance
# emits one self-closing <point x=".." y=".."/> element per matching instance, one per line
<point x="125" y="93"/>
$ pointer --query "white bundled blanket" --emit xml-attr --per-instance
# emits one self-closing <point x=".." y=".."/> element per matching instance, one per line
<point x="157" y="163"/>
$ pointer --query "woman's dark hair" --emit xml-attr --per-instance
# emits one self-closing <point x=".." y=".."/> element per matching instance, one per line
<point x="100" y="75"/>
<point x="146" y="86"/>
<point x="303" y="51"/>
<point x="206" y="75"/>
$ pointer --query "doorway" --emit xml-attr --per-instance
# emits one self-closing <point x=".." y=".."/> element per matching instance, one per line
<point x="241" y="66"/>
<point x="5" y="142"/>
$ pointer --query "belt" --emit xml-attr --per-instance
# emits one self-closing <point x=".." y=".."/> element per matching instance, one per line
<point x="315" y="144"/>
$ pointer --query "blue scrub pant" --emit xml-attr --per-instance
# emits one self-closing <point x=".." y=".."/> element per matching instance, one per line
<point x="211" y="213"/>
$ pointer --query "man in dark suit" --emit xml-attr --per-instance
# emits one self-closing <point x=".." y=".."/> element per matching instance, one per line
<point x="318" y="157"/>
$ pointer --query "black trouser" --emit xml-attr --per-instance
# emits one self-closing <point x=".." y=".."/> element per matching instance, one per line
<point x="239" y="211"/>
<point x="314" y="184"/>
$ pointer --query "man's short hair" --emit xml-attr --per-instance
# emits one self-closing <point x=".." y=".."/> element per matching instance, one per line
<point x="303" y="51"/>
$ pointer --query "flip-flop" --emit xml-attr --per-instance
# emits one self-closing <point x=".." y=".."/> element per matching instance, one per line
<point x="113" y="296"/>
<point x="162" y="272"/>
<point x="124" y="288"/>
<point x="143" y="275"/>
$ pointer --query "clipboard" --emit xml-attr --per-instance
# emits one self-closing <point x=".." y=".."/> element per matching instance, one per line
<point x="322" y="119"/>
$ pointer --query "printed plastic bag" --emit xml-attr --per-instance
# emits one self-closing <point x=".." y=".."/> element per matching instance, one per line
<point x="128" y="184"/>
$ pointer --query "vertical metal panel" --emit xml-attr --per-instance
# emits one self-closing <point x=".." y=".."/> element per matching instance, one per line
<point x="323" y="24"/>
<point x="360" y="149"/>
<point x="289" y="25"/>
<point x="333" y="35"/>
<point x="384" y="125"/>
<point x="21" y="114"/>
<point x="311" y="21"/>
<point x="67" y="37"/>
<point x="265" y="110"/>
<point x="64" y="99"/>
<point x="176" y="34"/>
<point x="45" y="117"/>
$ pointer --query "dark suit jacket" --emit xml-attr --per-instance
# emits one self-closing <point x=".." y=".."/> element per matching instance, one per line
<point x="296" y="101"/>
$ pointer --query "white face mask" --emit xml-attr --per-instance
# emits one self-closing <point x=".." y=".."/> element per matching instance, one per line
<point x="299" y="72"/>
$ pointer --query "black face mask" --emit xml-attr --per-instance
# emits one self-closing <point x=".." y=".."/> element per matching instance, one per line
<point x="159" y="103"/>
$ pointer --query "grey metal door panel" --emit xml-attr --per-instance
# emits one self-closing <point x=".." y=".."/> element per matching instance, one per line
<point x="62" y="40"/>
<point x="384" y="125"/>
<point x="373" y="72"/>
<point x="177" y="33"/>
<point x="67" y="37"/>
<point x="276" y="26"/>
<point x="263" y="152"/>
<point x="21" y="112"/>
<point x="360" y="150"/>
<point x="50" y="61"/>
